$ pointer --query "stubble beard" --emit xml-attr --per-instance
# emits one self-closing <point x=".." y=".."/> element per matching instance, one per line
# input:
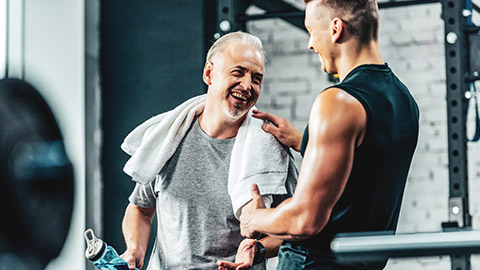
<point x="233" y="115"/>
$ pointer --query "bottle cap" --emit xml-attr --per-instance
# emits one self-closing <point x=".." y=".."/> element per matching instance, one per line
<point x="95" y="246"/>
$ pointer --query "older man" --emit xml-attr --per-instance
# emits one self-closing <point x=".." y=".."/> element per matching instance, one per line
<point x="199" y="189"/>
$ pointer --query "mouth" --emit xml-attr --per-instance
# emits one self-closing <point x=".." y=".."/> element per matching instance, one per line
<point x="240" y="96"/>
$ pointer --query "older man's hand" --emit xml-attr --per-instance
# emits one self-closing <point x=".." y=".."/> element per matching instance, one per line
<point x="244" y="258"/>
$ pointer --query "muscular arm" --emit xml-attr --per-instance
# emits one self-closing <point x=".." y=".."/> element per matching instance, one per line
<point x="336" y="126"/>
<point x="272" y="245"/>
<point x="136" y="228"/>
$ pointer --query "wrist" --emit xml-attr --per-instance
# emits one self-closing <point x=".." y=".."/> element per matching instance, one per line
<point x="298" y="142"/>
<point x="136" y="249"/>
<point x="260" y="253"/>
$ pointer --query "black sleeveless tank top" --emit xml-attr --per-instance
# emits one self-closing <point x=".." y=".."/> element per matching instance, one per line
<point x="373" y="194"/>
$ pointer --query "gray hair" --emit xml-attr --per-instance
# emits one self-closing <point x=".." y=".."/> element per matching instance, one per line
<point x="241" y="37"/>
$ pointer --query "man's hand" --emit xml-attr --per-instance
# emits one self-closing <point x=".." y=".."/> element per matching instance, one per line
<point x="248" y="211"/>
<point x="134" y="258"/>
<point x="244" y="258"/>
<point x="282" y="129"/>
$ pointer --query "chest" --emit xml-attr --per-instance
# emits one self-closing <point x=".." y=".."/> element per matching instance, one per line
<point x="197" y="174"/>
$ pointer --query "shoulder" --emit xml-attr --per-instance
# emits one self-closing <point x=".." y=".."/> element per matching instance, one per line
<point x="337" y="99"/>
<point x="337" y="113"/>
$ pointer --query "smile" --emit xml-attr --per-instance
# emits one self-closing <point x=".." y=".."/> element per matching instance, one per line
<point x="239" y="96"/>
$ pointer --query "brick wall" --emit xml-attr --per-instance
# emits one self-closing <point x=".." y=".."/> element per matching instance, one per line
<point x="411" y="42"/>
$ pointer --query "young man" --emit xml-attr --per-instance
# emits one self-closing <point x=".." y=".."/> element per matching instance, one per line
<point x="192" y="176"/>
<point x="357" y="148"/>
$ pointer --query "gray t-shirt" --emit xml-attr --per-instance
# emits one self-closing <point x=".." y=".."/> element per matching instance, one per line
<point x="196" y="225"/>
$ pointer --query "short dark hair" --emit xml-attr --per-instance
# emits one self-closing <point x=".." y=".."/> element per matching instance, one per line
<point x="360" y="16"/>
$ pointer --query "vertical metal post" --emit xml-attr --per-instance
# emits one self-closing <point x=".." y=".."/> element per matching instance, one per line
<point x="456" y="65"/>
<point x="226" y="17"/>
<point x="228" y="14"/>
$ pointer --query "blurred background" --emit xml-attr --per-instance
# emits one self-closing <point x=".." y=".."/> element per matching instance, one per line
<point x="104" y="66"/>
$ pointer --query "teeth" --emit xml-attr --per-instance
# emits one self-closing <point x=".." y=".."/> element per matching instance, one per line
<point x="240" y="96"/>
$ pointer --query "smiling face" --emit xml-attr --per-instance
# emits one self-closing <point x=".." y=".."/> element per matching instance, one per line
<point x="234" y="77"/>
<point x="317" y="25"/>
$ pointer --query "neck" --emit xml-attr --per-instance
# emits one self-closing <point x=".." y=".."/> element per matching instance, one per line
<point x="214" y="124"/>
<point x="354" y="55"/>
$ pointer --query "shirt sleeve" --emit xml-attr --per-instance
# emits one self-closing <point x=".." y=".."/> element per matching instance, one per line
<point x="144" y="196"/>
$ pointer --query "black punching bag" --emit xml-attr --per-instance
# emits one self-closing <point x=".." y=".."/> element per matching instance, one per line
<point x="36" y="179"/>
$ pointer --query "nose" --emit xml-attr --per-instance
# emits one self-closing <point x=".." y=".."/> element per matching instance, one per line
<point x="246" y="82"/>
<point x="310" y="45"/>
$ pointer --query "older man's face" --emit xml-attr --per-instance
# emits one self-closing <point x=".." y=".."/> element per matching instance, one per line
<point x="236" y="79"/>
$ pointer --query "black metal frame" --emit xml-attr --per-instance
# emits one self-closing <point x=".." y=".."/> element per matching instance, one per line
<point x="458" y="75"/>
<point x="456" y="59"/>
<point x="289" y="13"/>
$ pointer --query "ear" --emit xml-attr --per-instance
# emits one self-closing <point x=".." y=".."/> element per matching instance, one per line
<point x="207" y="73"/>
<point x="337" y="27"/>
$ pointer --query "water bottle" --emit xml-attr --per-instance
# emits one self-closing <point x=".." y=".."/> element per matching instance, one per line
<point x="103" y="256"/>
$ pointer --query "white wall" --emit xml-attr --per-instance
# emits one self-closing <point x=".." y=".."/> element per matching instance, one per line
<point x="3" y="37"/>
<point x="54" y="64"/>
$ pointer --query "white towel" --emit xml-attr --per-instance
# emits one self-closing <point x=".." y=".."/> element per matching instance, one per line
<point x="257" y="156"/>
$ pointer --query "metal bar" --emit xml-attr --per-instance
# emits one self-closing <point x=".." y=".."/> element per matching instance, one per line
<point x="456" y="60"/>
<point x="272" y="6"/>
<point x="393" y="4"/>
<point x="378" y="246"/>
<point x="472" y="29"/>
<point x="473" y="78"/>
<point x="290" y="13"/>
<point x="228" y="12"/>
<point x="226" y="16"/>
<point x="456" y="64"/>
<point x="285" y="14"/>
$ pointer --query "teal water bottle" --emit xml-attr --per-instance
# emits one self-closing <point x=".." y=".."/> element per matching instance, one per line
<point x="103" y="256"/>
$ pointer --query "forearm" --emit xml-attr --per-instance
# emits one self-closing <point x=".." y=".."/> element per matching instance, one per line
<point x="136" y="227"/>
<point x="272" y="245"/>
<point x="288" y="221"/>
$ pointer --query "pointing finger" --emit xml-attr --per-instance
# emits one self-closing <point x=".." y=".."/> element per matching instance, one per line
<point x="266" y="116"/>
<point x="272" y="129"/>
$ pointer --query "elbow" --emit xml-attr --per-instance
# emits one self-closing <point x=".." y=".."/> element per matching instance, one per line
<point x="309" y="227"/>
<point x="309" y="230"/>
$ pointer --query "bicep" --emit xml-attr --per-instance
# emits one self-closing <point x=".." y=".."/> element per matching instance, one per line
<point x="336" y="123"/>
<point x="134" y="211"/>
<point x="146" y="212"/>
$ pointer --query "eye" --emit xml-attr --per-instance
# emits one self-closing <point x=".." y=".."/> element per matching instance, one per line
<point x="237" y="72"/>
<point x="257" y="79"/>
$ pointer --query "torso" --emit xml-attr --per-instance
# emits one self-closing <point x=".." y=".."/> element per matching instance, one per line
<point x="372" y="197"/>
